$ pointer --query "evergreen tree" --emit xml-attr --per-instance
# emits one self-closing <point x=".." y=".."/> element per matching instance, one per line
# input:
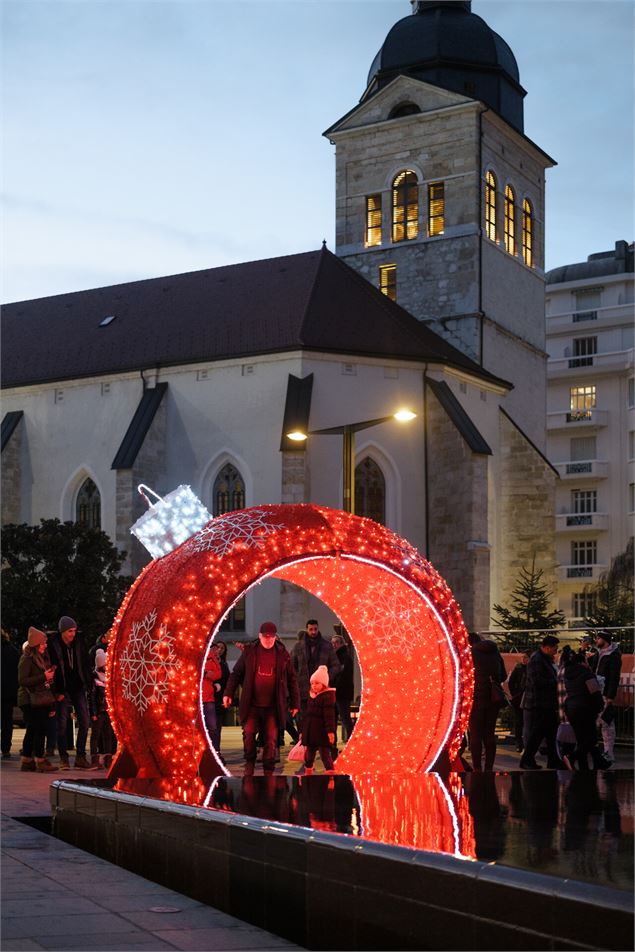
<point x="613" y="603"/>
<point x="530" y="602"/>
<point x="59" y="569"/>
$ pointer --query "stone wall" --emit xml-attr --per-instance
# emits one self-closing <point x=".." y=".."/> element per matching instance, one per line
<point x="458" y="507"/>
<point x="12" y="477"/>
<point x="526" y="506"/>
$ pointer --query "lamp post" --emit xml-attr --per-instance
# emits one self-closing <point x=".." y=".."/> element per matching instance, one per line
<point x="348" y="431"/>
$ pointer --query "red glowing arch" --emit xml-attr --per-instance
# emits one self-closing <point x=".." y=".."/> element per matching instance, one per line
<point x="406" y="627"/>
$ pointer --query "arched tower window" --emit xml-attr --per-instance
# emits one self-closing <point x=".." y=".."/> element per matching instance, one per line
<point x="405" y="206"/>
<point x="528" y="233"/>
<point x="490" y="205"/>
<point x="370" y="491"/>
<point x="88" y="505"/>
<point x="229" y="495"/>
<point x="510" y="220"/>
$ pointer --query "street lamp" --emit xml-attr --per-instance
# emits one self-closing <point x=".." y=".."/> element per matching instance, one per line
<point x="348" y="431"/>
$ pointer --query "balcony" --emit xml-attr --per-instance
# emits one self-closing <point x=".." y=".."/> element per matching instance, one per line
<point x="591" y="320"/>
<point x="570" y="420"/>
<point x="584" y="469"/>
<point x="586" y="521"/>
<point x="610" y="362"/>
<point x="584" y="573"/>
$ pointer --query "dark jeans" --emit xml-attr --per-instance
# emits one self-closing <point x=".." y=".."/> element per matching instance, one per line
<point x="211" y="723"/>
<point x="483" y="734"/>
<point x="518" y="723"/>
<point x="263" y="720"/>
<point x="7" y="725"/>
<point x="290" y="729"/>
<point x="76" y="699"/>
<point x="102" y="736"/>
<point x="583" y="722"/>
<point x="344" y="713"/>
<point x="36" y="721"/>
<point x="539" y="723"/>
<point x="325" y="754"/>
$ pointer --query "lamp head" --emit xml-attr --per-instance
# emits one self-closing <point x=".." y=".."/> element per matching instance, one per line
<point x="297" y="436"/>
<point x="404" y="415"/>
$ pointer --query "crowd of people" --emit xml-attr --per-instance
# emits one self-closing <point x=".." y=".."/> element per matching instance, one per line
<point x="53" y="680"/>
<point x="560" y="705"/>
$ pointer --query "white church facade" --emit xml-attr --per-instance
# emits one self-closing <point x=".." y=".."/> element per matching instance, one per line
<point x="433" y="300"/>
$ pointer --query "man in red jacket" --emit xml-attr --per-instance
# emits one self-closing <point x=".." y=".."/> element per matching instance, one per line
<point x="269" y="690"/>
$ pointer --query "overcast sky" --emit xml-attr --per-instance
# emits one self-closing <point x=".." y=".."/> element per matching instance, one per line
<point x="151" y="137"/>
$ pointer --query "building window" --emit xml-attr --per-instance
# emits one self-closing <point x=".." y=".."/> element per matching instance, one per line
<point x="631" y="393"/>
<point x="405" y="207"/>
<point x="490" y="206"/>
<point x="510" y="220"/>
<point x="229" y="495"/>
<point x="583" y="604"/>
<point x="631" y="497"/>
<point x="587" y="302"/>
<point x="581" y="402"/>
<point x="584" y="501"/>
<point x="631" y="445"/>
<point x="584" y="350"/>
<point x="373" y="220"/>
<point x="583" y="448"/>
<point x="388" y="280"/>
<point x="436" y="209"/>
<point x="584" y="553"/>
<point x="88" y="505"/>
<point x="370" y="491"/>
<point x="528" y="234"/>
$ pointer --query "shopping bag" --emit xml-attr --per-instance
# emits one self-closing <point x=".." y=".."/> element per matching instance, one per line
<point x="297" y="752"/>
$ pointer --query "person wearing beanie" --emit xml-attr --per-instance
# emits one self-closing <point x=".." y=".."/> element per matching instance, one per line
<point x="35" y="679"/>
<point x="72" y="681"/>
<point x="269" y="689"/>
<point x="102" y="737"/>
<point x="319" y="721"/>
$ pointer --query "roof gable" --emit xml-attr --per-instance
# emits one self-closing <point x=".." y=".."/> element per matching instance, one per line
<point x="377" y="109"/>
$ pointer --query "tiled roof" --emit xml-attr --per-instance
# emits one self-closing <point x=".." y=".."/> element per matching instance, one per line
<point x="310" y="301"/>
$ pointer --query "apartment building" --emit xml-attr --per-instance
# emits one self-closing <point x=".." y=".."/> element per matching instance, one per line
<point x="591" y="417"/>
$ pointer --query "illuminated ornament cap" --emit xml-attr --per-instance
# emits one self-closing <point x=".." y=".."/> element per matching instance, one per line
<point x="170" y="520"/>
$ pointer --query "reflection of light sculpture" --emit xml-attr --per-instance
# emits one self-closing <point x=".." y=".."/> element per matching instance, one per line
<point x="402" y="618"/>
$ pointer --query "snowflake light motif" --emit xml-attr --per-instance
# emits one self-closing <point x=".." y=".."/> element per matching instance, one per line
<point x="147" y="663"/>
<point x="250" y="528"/>
<point x="387" y="614"/>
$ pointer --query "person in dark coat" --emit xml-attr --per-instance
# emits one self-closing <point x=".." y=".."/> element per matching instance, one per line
<point x="488" y="670"/>
<point x="268" y="689"/>
<point x="540" y="705"/>
<point x="102" y="736"/>
<point x="72" y="680"/>
<point x="309" y="652"/>
<point x="10" y="659"/>
<point x="318" y="724"/>
<point x="219" y="689"/>
<point x="582" y="705"/>
<point x="35" y="673"/>
<point x="608" y="665"/>
<point x="344" y="687"/>
<point x="516" y="687"/>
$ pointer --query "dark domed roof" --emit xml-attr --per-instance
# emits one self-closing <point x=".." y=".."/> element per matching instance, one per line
<point x="444" y="43"/>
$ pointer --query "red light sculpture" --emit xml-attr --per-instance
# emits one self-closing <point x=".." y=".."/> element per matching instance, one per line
<point x="416" y="668"/>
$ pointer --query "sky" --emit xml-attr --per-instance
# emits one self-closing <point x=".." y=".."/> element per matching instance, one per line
<point x="151" y="137"/>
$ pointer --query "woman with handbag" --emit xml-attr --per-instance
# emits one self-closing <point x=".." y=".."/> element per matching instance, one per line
<point x="35" y="697"/>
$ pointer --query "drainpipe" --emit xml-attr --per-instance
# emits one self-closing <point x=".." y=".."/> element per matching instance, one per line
<point x="479" y="205"/>
<point x="426" y="502"/>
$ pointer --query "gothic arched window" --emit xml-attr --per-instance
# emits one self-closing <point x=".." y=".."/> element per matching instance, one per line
<point x="510" y="220"/>
<point x="405" y="206"/>
<point x="370" y="491"/>
<point x="88" y="505"/>
<point x="490" y="205"/>
<point x="528" y="234"/>
<point x="229" y="495"/>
